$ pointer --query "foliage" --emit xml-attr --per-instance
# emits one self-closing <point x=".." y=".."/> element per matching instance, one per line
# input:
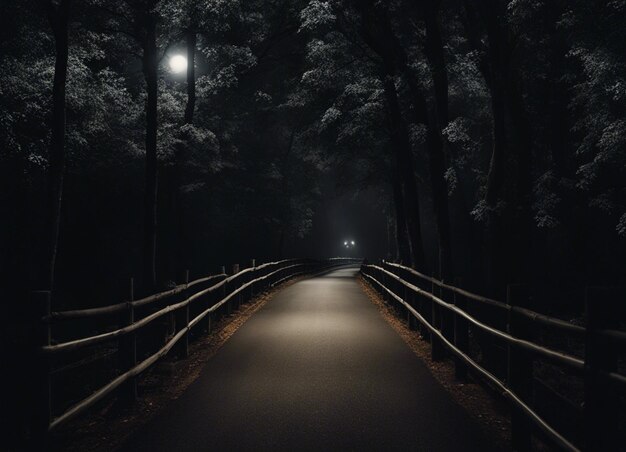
<point x="289" y="94"/>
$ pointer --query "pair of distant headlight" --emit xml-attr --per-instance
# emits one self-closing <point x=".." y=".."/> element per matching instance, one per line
<point x="349" y="243"/>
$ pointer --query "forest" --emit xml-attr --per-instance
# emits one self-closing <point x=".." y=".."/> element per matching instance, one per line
<point x="480" y="142"/>
<point x="491" y="134"/>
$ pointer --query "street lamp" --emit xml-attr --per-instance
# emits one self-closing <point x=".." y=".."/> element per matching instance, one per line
<point x="178" y="64"/>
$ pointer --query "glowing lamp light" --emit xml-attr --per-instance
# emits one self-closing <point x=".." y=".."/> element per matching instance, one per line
<point x="178" y="64"/>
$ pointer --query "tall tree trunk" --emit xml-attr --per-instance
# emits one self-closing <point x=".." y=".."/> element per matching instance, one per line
<point x="515" y="157"/>
<point x="404" y="160"/>
<point x="436" y="142"/>
<point x="150" y="68"/>
<point x="520" y="216"/>
<point x="436" y="58"/>
<point x="402" y="237"/>
<point x="436" y="167"/>
<point x="509" y="184"/>
<point x="439" y="188"/>
<point x="178" y="251"/>
<point x="281" y="243"/>
<point x="497" y="275"/>
<point x="191" y="76"/>
<point x="380" y="36"/>
<point x="380" y="44"/>
<point x="285" y="231"/>
<point x="58" y="16"/>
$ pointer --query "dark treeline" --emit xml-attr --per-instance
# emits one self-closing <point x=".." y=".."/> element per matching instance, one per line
<point x="497" y="128"/>
<point x="113" y="165"/>
<point x="494" y="131"/>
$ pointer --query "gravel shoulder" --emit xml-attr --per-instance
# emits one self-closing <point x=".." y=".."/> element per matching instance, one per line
<point x="492" y="415"/>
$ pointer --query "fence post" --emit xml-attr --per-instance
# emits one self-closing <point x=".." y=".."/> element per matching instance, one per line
<point x="447" y="316"/>
<point x="222" y="295"/>
<point x="520" y="367"/>
<point x="461" y="334"/>
<point x="385" y="281"/>
<point x="396" y="289"/>
<point x="601" y="409"/>
<point x="185" y="343"/>
<point x="436" y="347"/>
<point x="252" y="277"/>
<point x="128" y="345"/>
<point x="381" y="278"/>
<point x="408" y="312"/>
<point x="230" y="302"/>
<point x="43" y="412"/>
<point x="420" y="304"/>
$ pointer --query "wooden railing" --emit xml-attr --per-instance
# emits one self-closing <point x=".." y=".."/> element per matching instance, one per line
<point x="147" y="329"/>
<point x="456" y="320"/>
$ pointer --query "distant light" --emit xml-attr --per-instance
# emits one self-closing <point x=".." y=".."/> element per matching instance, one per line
<point x="178" y="63"/>
<point x="345" y="243"/>
<point x="352" y="242"/>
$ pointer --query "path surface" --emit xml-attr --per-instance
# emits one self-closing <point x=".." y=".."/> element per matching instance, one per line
<point x="317" y="368"/>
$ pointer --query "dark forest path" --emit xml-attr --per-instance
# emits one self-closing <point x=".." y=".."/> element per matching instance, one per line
<point x="317" y="368"/>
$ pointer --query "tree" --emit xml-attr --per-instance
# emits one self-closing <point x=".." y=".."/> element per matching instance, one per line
<point x="145" y="22"/>
<point x="139" y="20"/>
<point x="380" y="36"/>
<point x="58" y="18"/>
<point x="507" y="199"/>
<point x="377" y="85"/>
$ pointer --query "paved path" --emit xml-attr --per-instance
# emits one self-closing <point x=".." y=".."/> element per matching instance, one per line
<point x="317" y="368"/>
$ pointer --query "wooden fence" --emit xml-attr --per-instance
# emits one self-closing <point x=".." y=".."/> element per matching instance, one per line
<point x="453" y="319"/>
<point x="145" y="330"/>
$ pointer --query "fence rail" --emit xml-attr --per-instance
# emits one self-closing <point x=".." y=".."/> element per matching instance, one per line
<point x="218" y="298"/>
<point x="449" y="324"/>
